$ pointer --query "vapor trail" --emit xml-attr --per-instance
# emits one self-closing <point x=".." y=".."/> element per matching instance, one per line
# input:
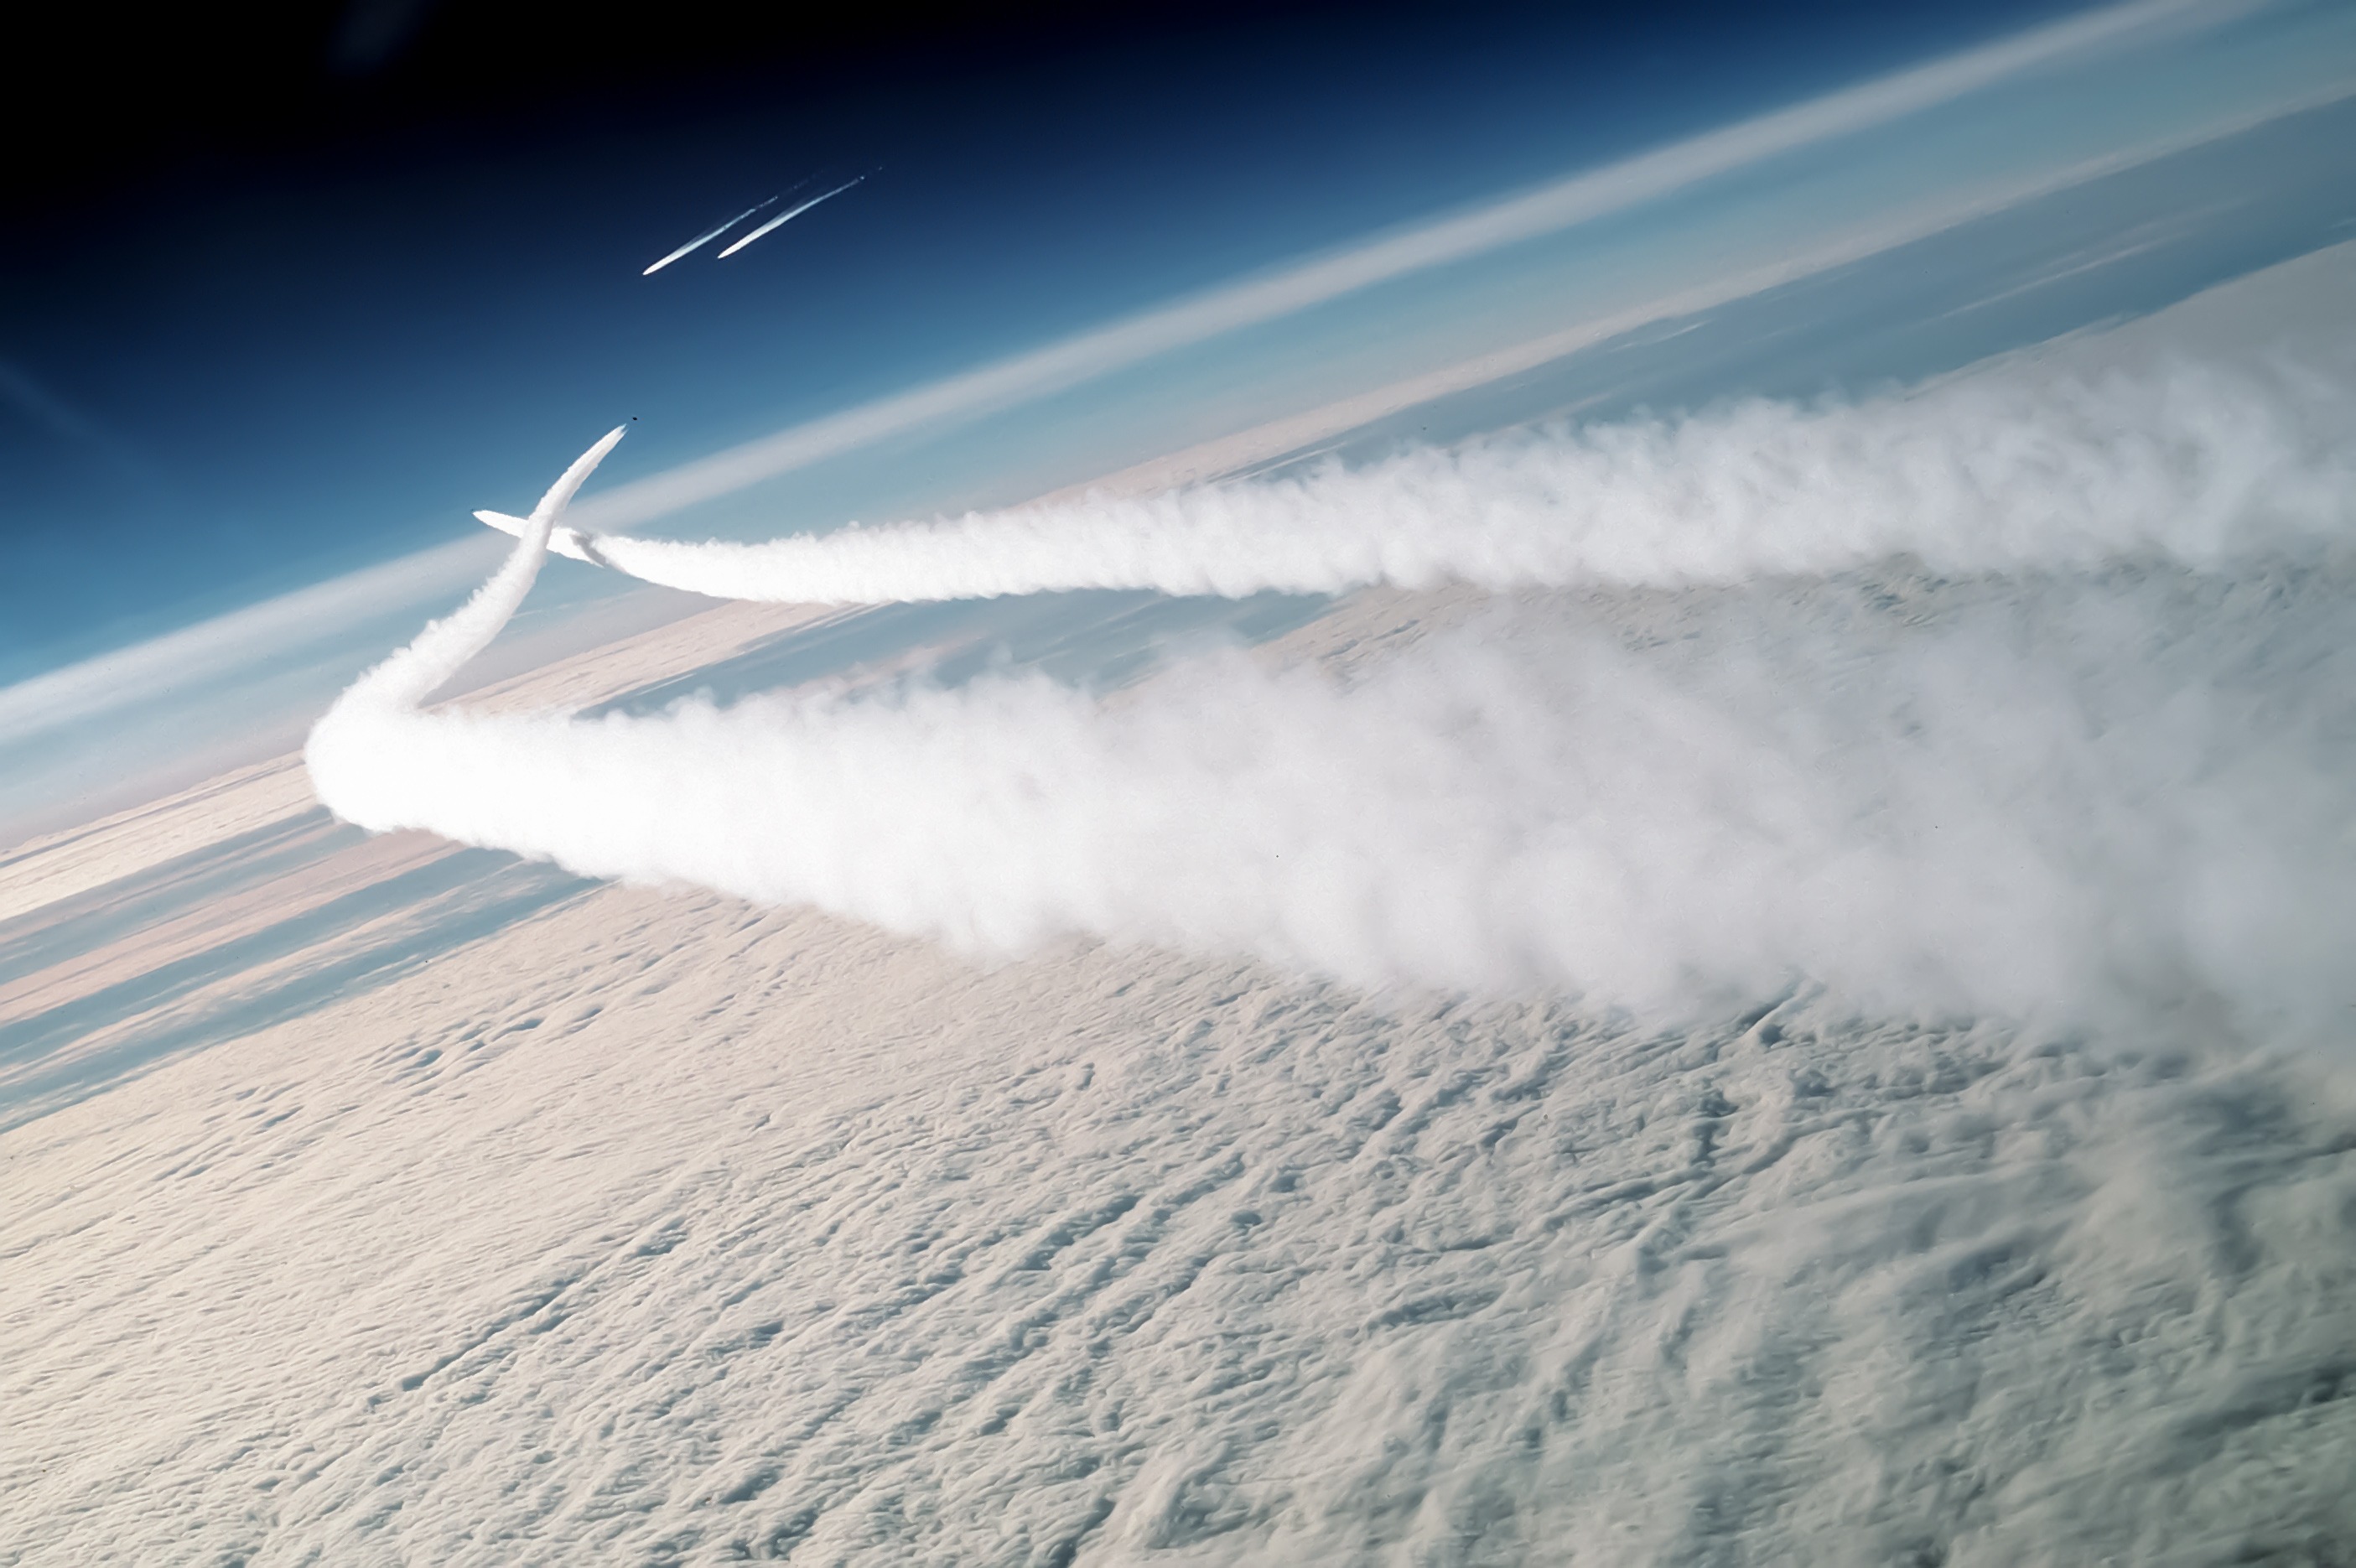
<point x="443" y="648"/>
<point x="1987" y="473"/>
<point x="789" y="215"/>
<point x="2118" y="795"/>
<point x="708" y="236"/>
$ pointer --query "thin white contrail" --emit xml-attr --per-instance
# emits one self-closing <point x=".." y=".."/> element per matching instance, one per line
<point x="711" y="235"/>
<point x="1993" y="473"/>
<point x="789" y="215"/>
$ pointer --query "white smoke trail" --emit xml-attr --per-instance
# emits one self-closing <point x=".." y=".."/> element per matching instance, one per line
<point x="1987" y="473"/>
<point x="2081" y="796"/>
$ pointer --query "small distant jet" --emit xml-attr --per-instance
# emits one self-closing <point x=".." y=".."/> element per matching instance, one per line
<point x="783" y="217"/>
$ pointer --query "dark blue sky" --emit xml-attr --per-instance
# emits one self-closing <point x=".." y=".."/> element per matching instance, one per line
<point x="279" y="317"/>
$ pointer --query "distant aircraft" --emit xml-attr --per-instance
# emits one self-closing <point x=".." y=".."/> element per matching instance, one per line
<point x="785" y="217"/>
<point x="711" y="235"/>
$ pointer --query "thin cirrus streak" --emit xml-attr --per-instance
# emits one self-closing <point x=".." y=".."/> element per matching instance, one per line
<point x="2189" y="463"/>
<point x="2104" y="780"/>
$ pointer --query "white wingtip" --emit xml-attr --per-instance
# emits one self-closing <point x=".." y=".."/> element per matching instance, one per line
<point x="561" y="540"/>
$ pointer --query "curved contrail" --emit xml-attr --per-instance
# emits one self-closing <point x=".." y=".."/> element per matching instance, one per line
<point x="443" y="648"/>
<point x="2108" y="796"/>
<point x="2077" y="787"/>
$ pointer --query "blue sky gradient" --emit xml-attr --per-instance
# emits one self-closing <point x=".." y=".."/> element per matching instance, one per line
<point x="239" y="377"/>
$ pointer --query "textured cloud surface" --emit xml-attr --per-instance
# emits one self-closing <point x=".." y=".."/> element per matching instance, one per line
<point x="658" y="1228"/>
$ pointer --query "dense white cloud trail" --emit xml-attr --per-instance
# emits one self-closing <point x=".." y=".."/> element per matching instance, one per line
<point x="2082" y="796"/>
<point x="1991" y="472"/>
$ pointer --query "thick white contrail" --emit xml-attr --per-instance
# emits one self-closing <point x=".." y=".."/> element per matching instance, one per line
<point x="2120" y="793"/>
<point x="2055" y="809"/>
<point x="1986" y="472"/>
<point x="788" y="215"/>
